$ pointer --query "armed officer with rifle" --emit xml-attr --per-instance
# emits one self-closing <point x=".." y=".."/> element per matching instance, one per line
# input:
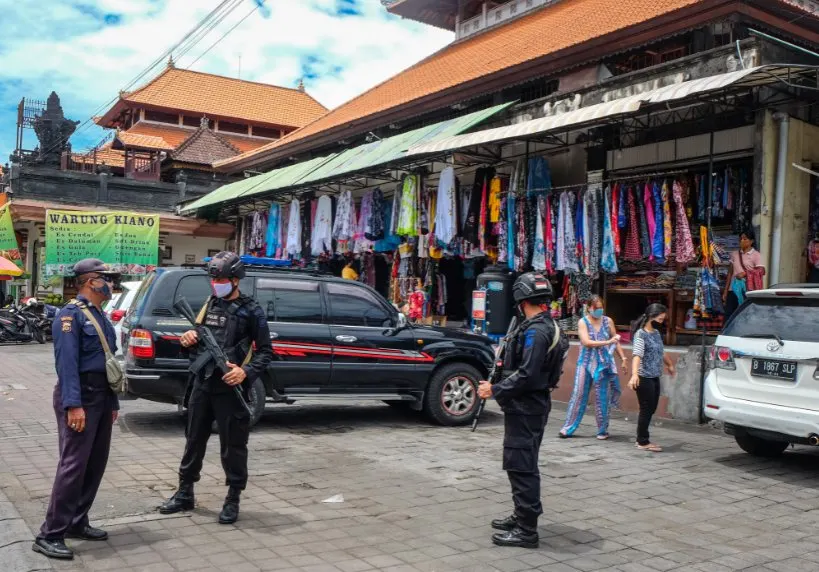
<point x="239" y="327"/>
<point x="532" y="363"/>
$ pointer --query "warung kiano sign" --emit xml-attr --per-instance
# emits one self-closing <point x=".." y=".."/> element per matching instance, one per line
<point x="128" y="242"/>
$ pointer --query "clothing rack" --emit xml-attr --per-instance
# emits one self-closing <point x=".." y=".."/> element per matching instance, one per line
<point x="582" y="186"/>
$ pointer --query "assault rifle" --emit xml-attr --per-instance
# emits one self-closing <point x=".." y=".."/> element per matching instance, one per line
<point x="213" y="353"/>
<point x="497" y="369"/>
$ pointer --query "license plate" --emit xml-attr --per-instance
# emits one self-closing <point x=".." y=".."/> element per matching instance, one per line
<point x="774" y="369"/>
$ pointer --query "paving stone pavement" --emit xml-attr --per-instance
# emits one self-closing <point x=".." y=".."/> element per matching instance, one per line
<point x="416" y="497"/>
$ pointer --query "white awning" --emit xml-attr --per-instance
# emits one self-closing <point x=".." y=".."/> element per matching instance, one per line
<point x="592" y="114"/>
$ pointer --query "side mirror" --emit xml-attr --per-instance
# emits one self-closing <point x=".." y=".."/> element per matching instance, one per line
<point x="402" y="321"/>
<point x="401" y="324"/>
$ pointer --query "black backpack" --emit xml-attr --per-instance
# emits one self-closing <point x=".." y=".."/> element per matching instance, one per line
<point x="556" y="356"/>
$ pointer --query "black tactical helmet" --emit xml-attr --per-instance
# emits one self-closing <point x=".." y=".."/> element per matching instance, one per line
<point x="530" y="286"/>
<point x="226" y="265"/>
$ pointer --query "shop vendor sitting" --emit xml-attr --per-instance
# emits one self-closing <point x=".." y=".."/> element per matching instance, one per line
<point x="746" y="272"/>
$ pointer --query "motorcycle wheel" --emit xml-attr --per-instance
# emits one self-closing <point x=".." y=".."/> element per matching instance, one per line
<point x="38" y="335"/>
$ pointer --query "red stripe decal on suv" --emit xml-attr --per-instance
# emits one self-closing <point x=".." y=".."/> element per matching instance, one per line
<point x="296" y="349"/>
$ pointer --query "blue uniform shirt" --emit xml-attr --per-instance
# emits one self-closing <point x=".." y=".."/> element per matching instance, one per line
<point x="78" y="350"/>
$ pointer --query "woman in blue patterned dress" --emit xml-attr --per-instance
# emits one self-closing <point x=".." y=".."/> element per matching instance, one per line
<point x="595" y="367"/>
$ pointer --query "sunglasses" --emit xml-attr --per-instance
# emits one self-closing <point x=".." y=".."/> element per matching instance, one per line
<point x="109" y="279"/>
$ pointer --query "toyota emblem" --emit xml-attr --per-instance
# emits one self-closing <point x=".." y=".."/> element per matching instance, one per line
<point x="774" y="346"/>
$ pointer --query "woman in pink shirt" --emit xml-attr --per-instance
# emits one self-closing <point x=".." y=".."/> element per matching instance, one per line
<point x="746" y="272"/>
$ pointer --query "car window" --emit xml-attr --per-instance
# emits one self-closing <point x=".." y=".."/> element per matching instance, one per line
<point x="289" y="300"/>
<point x="355" y="306"/>
<point x="195" y="289"/>
<point x="789" y="318"/>
<point x="143" y="290"/>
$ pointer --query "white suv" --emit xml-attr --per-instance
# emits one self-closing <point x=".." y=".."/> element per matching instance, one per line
<point x="764" y="381"/>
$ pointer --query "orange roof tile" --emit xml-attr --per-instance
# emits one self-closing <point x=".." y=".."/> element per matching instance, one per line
<point x="175" y="136"/>
<point x="547" y="31"/>
<point x="105" y="154"/>
<point x="143" y="141"/>
<point x="204" y="148"/>
<point x="218" y="96"/>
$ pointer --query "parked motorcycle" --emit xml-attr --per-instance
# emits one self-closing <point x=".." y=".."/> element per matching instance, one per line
<point x="20" y="325"/>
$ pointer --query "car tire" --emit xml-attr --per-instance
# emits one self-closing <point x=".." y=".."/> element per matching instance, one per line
<point x="761" y="447"/>
<point x="452" y="394"/>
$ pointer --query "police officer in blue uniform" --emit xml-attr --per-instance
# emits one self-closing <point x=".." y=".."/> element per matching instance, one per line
<point x="86" y="410"/>
<point x="525" y="398"/>
<point x="238" y="323"/>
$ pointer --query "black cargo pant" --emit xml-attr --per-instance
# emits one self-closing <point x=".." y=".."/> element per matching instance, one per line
<point x="83" y="458"/>
<point x="523" y="435"/>
<point x="233" y="422"/>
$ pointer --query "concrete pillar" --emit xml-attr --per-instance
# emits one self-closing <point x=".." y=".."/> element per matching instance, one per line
<point x="764" y="181"/>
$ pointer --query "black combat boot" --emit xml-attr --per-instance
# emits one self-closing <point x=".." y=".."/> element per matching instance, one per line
<point x="181" y="500"/>
<point x="517" y="537"/>
<point x="230" y="510"/>
<point x="507" y="523"/>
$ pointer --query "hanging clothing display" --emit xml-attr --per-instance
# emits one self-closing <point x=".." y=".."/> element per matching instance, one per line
<point x="360" y="235"/>
<point x="446" y="215"/>
<point x="257" y="232"/>
<point x="539" y="255"/>
<point x="306" y="225"/>
<point x="321" y="238"/>
<point x="273" y="237"/>
<point x="667" y="229"/>
<point x="472" y="230"/>
<point x="608" y="258"/>
<point x="344" y="224"/>
<point x="375" y="221"/>
<point x="566" y="247"/>
<point x="408" y="213"/>
<point x="495" y="190"/>
<point x="684" y="245"/>
<point x="614" y="205"/>
<point x="293" y="245"/>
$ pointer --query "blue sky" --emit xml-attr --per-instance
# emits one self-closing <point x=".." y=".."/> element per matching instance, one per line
<point x="87" y="50"/>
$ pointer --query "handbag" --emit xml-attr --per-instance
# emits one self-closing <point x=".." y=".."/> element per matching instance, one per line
<point x="113" y="370"/>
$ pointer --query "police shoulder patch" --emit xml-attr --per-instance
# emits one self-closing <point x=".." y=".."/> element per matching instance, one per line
<point x="67" y="326"/>
<point x="530" y="339"/>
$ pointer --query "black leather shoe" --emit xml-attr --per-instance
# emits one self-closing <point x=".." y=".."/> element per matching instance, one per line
<point x="182" y="499"/>
<point x="52" y="549"/>
<point x="507" y="523"/>
<point x="230" y="510"/>
<point x="88" y="533"/>
<point x="517" y="537"/>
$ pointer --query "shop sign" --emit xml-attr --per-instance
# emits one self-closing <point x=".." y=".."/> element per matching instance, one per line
<point x="9" y="249"/>
<point x="479" y="305"/>
<point x="128" y="242"/>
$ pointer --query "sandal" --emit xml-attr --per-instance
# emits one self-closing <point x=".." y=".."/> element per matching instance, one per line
<point x="563" y="435"/>
<point x="603" y="436"/>
<point x="651" y="447"/>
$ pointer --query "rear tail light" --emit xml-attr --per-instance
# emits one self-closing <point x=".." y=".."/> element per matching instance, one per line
<point x="117" y="315"/>
<point x="141" y="344"/>
<point x="722" y="358"/>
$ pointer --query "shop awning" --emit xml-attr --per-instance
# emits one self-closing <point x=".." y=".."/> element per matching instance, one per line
<point x="355" y="160"/>
<point x="609" y="110"/>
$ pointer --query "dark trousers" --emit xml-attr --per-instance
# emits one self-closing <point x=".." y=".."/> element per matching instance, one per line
<point x="83" y="457"/>
<point x="234" y="429"/>
<point x="648" y="394"/>
<point x="523" y="435"/>
<point x="731" y="304"/>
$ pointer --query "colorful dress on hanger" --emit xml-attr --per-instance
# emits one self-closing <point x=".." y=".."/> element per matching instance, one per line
<point x="361" y="242"/>
<point x="503" y="231"/>
<point x="293" y="245"/>
<point x="595" y="368"/>
<point x="495" y="200"/>
<point x="614" y="204"/>
<point x="344" y="225"/>
<point x="632" y="250"/>
<point x="566" y="246"/>
<point x="321" y="239"/>
<point x="375" y="221"/>
<point x="274" y="228"/>
<point x="539" y="255"/>
<point x="667" y="229"/>
<point x="408" y="216"/>
<point x="608" y="258"/>
<point x="446" y="220"/>
<point x="684" y="245"/>
<point x="417" y="301"/>
<point x="657" y="243"/>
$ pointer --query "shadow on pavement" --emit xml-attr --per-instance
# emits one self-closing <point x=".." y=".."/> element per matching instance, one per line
<point x="798" y="465"/>
<point x="304" y="419"/>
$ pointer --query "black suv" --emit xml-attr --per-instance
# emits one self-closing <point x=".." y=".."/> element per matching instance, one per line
<point x="332" y="339"/>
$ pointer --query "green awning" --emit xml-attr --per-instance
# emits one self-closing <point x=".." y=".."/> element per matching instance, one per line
<point x="345" y="162"/>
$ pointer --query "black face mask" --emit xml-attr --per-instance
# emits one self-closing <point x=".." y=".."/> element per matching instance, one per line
<point x="658" y="325"/>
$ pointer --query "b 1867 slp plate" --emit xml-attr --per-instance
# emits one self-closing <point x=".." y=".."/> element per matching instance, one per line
<point x="774" y="369"/>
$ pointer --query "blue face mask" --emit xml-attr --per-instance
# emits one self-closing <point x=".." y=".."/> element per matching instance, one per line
<point x="597" y="313"/>
<point x="104" y="290"/>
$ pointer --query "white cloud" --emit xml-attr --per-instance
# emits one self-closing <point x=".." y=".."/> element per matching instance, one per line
<point x="87" y="50"/>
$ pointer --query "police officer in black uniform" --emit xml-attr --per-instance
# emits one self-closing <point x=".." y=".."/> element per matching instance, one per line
<point x="240" y="326"/>
<point x="86" y="410"/>
<point x="525" y="398"/>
